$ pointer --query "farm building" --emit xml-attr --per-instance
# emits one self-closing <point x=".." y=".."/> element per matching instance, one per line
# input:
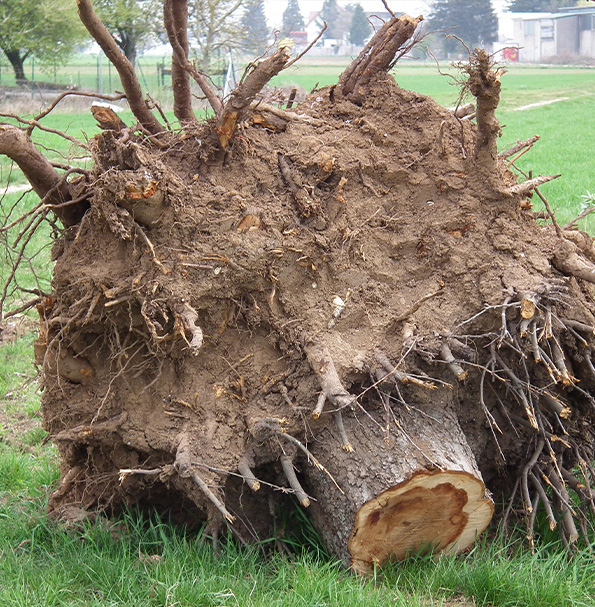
<point x="569" y="32"/>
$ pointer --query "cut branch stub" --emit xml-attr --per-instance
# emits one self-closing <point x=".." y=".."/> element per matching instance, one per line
<point x="241" y="97"/>
<point x="377" y="56"/>
<point x="440" y="510"/>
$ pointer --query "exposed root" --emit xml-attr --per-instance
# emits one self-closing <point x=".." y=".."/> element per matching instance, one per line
<point x="345" y="443"/>
<point x="518" y="146"/>
<point x="241" y="98"/>
<point x="189" y="316"/>
<point x="332" y="388"/>
<point x="449" y="359"/>
<point x="522" y="189"/>
<point x="294" y="483"/>
<point x="399" y="376"/>
<point x="244" y="468"/>
<point x="377" y="56"/>
<point x="186" y="469"/>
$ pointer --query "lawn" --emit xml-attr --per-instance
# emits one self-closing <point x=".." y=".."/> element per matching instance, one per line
<point x="142" y="561"/>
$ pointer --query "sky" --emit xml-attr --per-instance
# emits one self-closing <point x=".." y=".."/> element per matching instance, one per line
<point x="274" y="8"/>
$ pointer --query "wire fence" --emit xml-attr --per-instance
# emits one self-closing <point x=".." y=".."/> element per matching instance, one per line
<point x="93" y="73"/>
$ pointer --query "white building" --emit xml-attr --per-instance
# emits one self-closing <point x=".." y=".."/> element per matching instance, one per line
<point x="569" y="32"/>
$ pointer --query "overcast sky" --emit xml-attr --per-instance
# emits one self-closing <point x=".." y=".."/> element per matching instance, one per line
<point x="275" y="8"/>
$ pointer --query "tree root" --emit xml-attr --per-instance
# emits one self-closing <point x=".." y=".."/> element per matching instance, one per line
<point x="125" y="70"/>
<point x="244" y="468"/>
<point x="332" y="389"/>
<point x="186" y="469"/>
<point x="241" y="98"/>
<point x="377" y="56"/>
<point x="294" y="483"/>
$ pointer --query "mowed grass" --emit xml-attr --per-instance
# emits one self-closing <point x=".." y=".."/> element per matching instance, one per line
<point x="145" y="562"/>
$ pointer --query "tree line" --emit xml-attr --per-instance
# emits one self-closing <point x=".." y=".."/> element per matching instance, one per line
<point x="50" y="31"/>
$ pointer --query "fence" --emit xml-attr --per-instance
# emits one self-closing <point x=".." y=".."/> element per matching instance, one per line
<point x="94" y="73"/>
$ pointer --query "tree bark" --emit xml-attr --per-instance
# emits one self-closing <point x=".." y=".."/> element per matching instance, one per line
<point x="125" y="69"/>
<point x="175" y="14"/>
<point x="17" y="62"/>
<point x="402" y="489"/>
<point x="43" y="177"/>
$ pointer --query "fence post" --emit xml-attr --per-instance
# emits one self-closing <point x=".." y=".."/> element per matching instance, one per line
<point x="99" y="75"/>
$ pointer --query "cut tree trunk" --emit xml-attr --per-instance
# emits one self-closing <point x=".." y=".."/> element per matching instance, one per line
<point x="406" y="488"/>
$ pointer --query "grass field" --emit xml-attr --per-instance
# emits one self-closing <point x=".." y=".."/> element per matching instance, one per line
<point x="144" y="562"/>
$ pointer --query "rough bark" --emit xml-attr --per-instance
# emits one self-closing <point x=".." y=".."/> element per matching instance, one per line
<point x="43" y="177"/>
<point x="241" y="98"/>
<point x="376" y="57"/>
<point x="408" y="486"/>
<point x="125" y="69"/>
<point x="17" y="61"/>
<point x="175" y="13"/>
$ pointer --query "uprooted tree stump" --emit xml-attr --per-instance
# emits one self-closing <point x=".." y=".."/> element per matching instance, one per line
<point x="350" y="301"/>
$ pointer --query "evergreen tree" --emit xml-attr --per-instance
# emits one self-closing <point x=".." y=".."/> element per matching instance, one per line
<point x="538" y="6"/>
<point x="254" y="27"/>
<point x="473" y="21"/>
<point x="332" y="14"/>
<point x="292" y="19"/>
<point x="360" y="27"/>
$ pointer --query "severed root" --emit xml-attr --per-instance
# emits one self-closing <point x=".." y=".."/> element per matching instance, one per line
<point x="575" y="265"/>
<point x="294" y="483"/>
<point x="518" y="146"/>
<point x="241" y="98"/>
<point x="185" y="469"/>
<point x="398" y="376"/>
<point x="531" y="184"/>
<point x="189" y="316"/>
<point x="449" y="359"/>
<point x="275" y="429"/>
<point x="347" y="446"/>
<point x="244" y="468"/>
<point x="377" y="56"/>
<point x="484" y="84"/>
<point x="214" y="499"/>
<point x="332" y="388"/>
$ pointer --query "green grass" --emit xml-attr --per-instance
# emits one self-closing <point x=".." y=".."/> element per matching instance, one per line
<point x="139" y="560"/>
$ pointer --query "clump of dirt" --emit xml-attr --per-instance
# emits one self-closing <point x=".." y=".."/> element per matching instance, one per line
<point x="201" y="302"/>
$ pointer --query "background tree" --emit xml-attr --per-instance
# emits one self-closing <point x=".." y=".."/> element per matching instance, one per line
<point x="214" y="25"/>
<point x="254" y="28"/>
<point x="293" y="21"/>
<point x="48" y="31"/>
<point x="132" y="23"/>
<point x="337" y="19"/>
<point x="536" y="6"/>
<point x="360" y="27"/>
<point x="473" y="21"/>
